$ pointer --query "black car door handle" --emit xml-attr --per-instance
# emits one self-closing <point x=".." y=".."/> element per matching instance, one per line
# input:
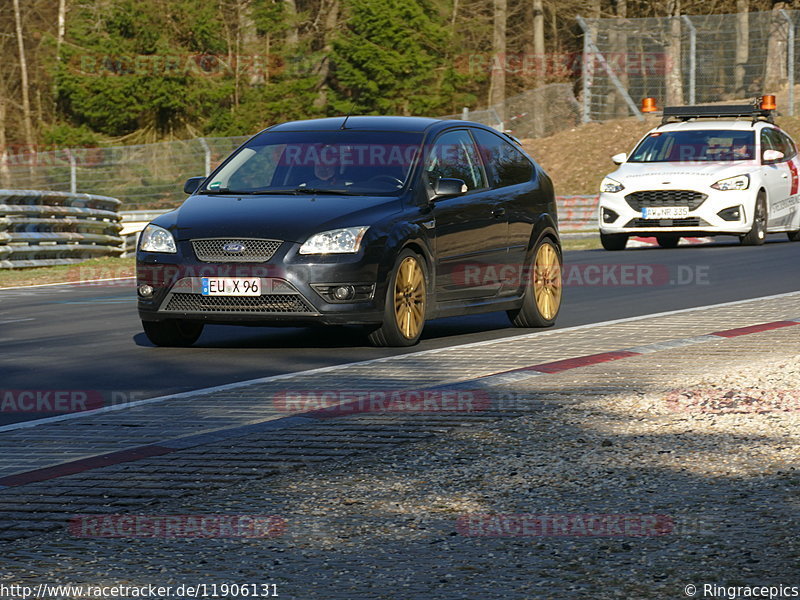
<point x="498" y="211"/>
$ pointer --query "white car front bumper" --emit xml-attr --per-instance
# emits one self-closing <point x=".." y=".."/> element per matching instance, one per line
<point x="703" y="217"/>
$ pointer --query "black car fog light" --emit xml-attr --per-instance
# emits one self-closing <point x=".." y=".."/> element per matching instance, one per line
<point x="145" y="291"/>
<point x="344" y="292"/>
<point x="609" y="216"/>
<point x="731" y="214"/>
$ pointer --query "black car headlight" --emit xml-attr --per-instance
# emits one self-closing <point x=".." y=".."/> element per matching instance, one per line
<point x="337" y="241"/>
<point x="157" y="239"/>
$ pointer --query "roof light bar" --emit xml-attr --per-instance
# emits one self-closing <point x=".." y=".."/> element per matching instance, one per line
<point x="761" y="108"/>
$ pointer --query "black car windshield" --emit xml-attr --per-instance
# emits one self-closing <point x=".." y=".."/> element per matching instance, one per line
<point x="695" y="145"/>
<point x="343" y="162"/>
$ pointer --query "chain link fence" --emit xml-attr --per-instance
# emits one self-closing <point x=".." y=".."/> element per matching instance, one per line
<point x="146" y="175"/>
<point x="691" y="59"/>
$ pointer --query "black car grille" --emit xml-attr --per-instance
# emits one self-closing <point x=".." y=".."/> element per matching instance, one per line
<point x="270" y="303"/>
<point x="655" y="223"/>
<point x="213" y="250"/>
<point x="639" y="200"/>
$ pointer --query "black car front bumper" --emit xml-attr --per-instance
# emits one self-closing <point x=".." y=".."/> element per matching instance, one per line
<point x="293" y="289"/>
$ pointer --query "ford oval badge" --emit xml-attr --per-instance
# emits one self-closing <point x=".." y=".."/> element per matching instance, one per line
<point x="234" y="247"/>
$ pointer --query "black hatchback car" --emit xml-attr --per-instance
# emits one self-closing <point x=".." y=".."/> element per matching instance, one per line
<point x="382" y="222"/>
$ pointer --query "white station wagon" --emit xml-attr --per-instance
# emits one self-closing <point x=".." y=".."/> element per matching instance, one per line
<point x="706" y="170"/>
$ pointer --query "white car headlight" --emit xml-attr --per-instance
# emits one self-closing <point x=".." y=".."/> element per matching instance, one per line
<point x="740" y="182"/>
<point x="336" y="241"/>
<point x="611" y="185"/>
<point x="157" y="239"/>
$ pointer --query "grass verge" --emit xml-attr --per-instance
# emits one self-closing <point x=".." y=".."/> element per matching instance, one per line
<point x="95" y="268"/>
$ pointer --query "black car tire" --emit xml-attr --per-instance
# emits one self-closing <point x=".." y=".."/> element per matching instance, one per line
<point x="668" y="241"/>
<point x="794" y="236"/>
<point x="390" y="331"/>
<point x="614" y="241"/>
<point x="173" y="332"/>
<point x="758" y="232"/>
<point x="530" y="314"/>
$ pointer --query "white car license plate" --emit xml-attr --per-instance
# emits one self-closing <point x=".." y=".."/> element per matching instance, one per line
<point x="665" y="212"/>
<point x="230" y="286"/>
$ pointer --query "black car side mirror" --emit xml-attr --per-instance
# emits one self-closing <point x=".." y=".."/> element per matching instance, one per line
<point x="446" y="188"/>
<point x="191" y="185"/>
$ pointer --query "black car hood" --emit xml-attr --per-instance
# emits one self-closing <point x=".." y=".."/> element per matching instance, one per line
<point x="286" y="217"/>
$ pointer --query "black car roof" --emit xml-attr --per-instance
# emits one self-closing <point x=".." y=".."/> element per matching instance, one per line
<point x="360" y="123"/>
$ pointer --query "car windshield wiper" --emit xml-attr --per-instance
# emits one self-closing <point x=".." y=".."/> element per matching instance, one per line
<point x="228" y="192"/>
<point x="308" y="190"/>
<point x="224" y="190"/>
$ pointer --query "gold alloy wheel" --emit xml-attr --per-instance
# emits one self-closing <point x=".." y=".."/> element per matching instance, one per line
<point x="409" y="298"/>
<point x="547" y="281"/>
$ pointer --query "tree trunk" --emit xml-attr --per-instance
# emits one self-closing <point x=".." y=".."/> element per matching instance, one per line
<point x="742" y="46"/>
<point x="62" y="26"/>
<point x="497" y="84"/>
<point x="292" y="35"/>
<point x="540" y="66"/>
<point x="5" y="173"/>
<point x="323" y="74"/>
<point x="625" y="59"/>
<point x="673" y="47"/>
<point x="777" y="46"/>
<point x="250" y="63"/>
<point x="23" y="68"/>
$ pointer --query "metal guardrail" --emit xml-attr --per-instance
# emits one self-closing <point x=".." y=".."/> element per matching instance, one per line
<point x="39" y="228"/>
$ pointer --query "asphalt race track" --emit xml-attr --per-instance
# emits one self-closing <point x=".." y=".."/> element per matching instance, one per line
<point x="80" y="337"/>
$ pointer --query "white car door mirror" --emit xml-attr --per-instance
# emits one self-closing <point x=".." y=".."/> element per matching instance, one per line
<point x="620" y="158"/>
<point x="772" y="155"/>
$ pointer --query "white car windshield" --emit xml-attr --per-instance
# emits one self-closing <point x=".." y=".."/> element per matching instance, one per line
<point x="713" y="145"/>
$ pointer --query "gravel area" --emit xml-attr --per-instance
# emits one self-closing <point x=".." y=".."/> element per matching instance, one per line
<point x="703" y="466"/>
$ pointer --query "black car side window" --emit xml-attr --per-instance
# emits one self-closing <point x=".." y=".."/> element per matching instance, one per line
<point x="505" y="165"/>
<point x="454" y="156"/>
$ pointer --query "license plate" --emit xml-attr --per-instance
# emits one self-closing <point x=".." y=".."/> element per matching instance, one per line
<point x="665" y="212"/>
<point x="230" y="286"/>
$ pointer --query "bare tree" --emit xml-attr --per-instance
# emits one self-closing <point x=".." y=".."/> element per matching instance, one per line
<point x="5" y="174"/>
<point x="621" y="46"/>
<point x="292" y="33"/>
<point x="62" y="26"/>
<point x="23" y="67"/>
<point x="331" y="8"/>
<point x="673" y="48"/>
<point x="540" y="64"/>
<point x="742" y="45"/>
<point x="497" y="84"/>
<point x="777" y="45"/>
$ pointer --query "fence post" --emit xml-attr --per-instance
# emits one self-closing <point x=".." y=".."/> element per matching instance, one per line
<point x="586" y="71"/>
<point x="73" y="171"/>
<point x="207" y="151"/>
<point x="790" y="56"/>
<point x="692" y="57"/>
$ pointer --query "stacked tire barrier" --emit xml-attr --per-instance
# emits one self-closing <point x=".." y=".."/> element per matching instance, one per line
<point x="40" y="228"/>
<point x="577" y="213"/>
